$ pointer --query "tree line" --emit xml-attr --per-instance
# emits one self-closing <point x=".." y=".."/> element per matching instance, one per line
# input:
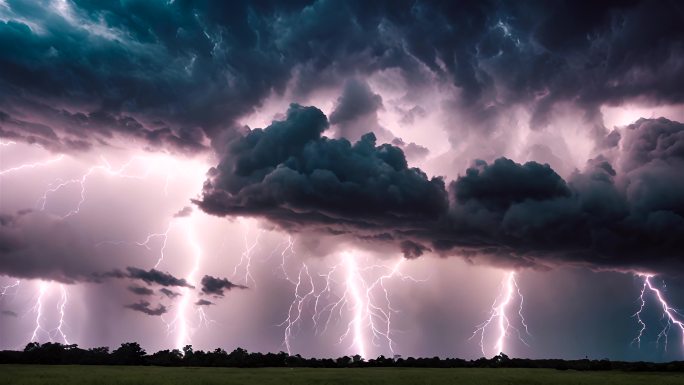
<point x="131" y="353"/>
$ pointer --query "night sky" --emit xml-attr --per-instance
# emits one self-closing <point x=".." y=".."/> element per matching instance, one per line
<point x="332" y="178"/>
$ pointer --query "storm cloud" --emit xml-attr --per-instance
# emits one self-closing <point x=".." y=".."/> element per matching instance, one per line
<point x="82" y="74"/>
<point x="146" y="308"/>
<point x="292" y="175"/>
<point x="140" y="290"/>
<point x="517" y="214"/>
<point x="217" y="286"/>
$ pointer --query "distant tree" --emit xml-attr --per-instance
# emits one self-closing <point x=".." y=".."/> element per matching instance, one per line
<point x="129" y="353"/>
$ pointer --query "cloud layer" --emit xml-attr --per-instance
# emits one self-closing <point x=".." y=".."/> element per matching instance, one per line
<point x="520" y="214"/>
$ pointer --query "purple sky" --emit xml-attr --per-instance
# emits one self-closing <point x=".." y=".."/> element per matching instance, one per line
<point x="174" y="173"/>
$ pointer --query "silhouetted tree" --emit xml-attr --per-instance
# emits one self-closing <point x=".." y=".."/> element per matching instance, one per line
<point x="129" y="353"/>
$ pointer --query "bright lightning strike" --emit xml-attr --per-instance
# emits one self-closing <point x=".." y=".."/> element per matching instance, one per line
<point x="138" y="168"/>
<point x="31" y="165"/>
<point x="248" y="250"/>
<point x="365" y="301"/>
<point x="4" y="289"/>
<point x="180" y="324"/>
<point x="39" y="308"/>
<point x="671" y="316"/>
<point x="499" y="317"/>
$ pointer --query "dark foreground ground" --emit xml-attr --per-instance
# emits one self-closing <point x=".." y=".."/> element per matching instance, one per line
<point x="104" y="375"/>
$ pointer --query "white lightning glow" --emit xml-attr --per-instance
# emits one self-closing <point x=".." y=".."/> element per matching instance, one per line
<point x="38" y="309"/>
<point x="6" y="288"/>
<point x="499" y="317"/>
<point x="181" y="325"/>
<point x="27" y="166"/>
<point x="147" y="243"/>
<point x="245" y="262"/>
<point x="672" y="317"/>
<point x="348" y="291"/>
<point x="139" y="167"/>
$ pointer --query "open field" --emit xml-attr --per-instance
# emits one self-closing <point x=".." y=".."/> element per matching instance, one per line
<point x="74" y="375"/>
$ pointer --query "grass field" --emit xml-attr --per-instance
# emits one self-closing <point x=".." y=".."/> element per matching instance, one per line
<point x="74" y="375"/>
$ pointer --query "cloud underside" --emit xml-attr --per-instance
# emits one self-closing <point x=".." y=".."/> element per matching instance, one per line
<point x="628" y="215"/>
<point x="80" y="76"/>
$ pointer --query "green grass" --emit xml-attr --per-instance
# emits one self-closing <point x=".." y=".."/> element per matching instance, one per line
<point x="75" y="375"/>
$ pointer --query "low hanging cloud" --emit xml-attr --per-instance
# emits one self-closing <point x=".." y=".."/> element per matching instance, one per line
<point x="152" y="276"/>
<point x="9" y="313"/>
<point x="624" y="216"/>
<point x="203" y="302"/>
<point x="169" y="293"/>
<point x="140" y="290"/>
<point x="145" y="307"/>
<point x="218" y="286"/>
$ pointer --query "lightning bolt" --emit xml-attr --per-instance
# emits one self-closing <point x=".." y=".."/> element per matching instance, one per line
<point x="180" y="324"/>
<point x="669" y="314"/>
<point x="26" y="166"/>
<point x="139" y="168"/>
<point x="38" y="308"/>
<point x="499" y="318"/>
<point x="4" y="289"/>
<point x="147" y="243"/>
<point x="248" y="250"/>
<point x="105" y="167"/>
<point x="365" y="300"/>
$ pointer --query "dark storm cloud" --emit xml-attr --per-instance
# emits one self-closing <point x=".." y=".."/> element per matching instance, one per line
<point x="9" y="313"/>
<point x="145" y="307"/>
<point x="140" y="290"/>
<point x="154" y="276"/>
<point x="291" y="174"/>
<point x="169" y="293"/>
<point x="173" y="73"/>
<point x="514" y="214"/>
<point x="217" y="286"/>
<point x="203" y="302"/>
<point x="356" y="114"/>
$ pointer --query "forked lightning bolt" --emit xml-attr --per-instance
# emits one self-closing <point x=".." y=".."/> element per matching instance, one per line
<point x="671" y="316"/>
<point x="149" y="165"/>
<point x="499" y="317"/>
<point x="180" y="324"/>
<point x="38" y="308"/>
<point x="344" y="289"/>
<point x="247" y="252"/>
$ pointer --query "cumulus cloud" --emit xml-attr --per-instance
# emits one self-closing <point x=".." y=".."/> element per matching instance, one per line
<point x="145" y="307"/>
<point x="217" y="286"/>
<point x="511" y="213"/>
<point x="291" y="174"/>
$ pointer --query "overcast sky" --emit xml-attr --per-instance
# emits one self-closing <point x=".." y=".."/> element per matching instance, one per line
<point x="341" y="177"/>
